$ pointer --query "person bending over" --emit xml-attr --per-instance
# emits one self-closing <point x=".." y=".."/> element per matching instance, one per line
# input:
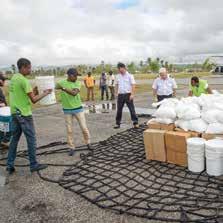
<point x="198" y="87"/>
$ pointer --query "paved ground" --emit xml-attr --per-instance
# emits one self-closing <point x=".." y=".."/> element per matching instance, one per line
<point x="26" y="198"/>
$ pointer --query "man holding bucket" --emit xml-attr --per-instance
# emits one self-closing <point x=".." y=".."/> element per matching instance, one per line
<point x="72" y="107"/>
<point x="21" y="96"/>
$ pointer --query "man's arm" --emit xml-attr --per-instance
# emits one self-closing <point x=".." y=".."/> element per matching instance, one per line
<point x="209" y="90"/>
<point x="133" y="92"/>
<point x="190" y="94"/>
<point x="85" y="83"/>
<point x="174" y="88"/>
<point x="72" y="92"/>
<point x="35" y="98"/>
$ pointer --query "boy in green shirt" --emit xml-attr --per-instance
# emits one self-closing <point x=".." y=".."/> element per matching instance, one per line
<point x="199" y="87"/>
<point x="21" y="96"/>
<point x="72" y="107"/>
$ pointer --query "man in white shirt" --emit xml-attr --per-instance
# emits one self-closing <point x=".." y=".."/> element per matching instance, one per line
<point x="125" y="89"/>
<point x="164" y="86"/>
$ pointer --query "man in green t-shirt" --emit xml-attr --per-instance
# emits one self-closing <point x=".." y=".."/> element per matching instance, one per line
<point x="72" y="107"/>
<point x="21" y="97"/>
<point x="199" y="87"/>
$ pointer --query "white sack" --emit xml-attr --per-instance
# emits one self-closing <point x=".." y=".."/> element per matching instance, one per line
<point x="198" y="125"/>
<point x="166" y="121"/>
<point x="210" y="116"/>
<point x="215" y="128"/>
<point x="165" y="112"/>
<point x="188" y="111"/>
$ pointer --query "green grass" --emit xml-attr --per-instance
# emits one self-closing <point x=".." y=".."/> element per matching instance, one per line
<point x="175" y="75"/>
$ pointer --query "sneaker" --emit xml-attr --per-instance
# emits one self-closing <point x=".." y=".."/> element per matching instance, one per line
<point x="136" y="126"/>
<point x="10" y="170"/>
<point x="39" y="167"/>
<point x="117" y="127"/>
<point x="71" y="152"/>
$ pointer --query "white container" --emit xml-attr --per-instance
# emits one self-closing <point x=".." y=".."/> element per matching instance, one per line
<point x="5" y="119"/>
<point x="195" y="154"/>
<point x="44" y="83"/>
<point x="214" y="157"/>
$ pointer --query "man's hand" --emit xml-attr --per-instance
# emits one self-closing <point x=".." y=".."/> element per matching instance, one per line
<point x="58" y="87"/>
<point x="155" y="99"/>
<point x="35" y="91"/>
<point x="131" y="97"/>
<point x="48" y="91"/>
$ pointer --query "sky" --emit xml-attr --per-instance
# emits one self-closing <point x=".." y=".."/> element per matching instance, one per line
<point x="61" y="32"/>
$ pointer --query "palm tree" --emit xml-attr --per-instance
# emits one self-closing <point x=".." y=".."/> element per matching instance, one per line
<point x="13" y="68"/>
<point x="149" y="60"/>
<point x="162" y="62"/>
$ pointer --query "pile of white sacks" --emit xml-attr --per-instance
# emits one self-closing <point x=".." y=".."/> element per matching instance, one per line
<point x="202" y="114"/>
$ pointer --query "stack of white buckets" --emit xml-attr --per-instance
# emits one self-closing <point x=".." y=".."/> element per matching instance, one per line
<point x="44" y="83"/>
<point x="198" y="149"/>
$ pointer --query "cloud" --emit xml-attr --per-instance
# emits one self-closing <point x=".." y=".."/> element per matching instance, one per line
<point x="75" y="31"/>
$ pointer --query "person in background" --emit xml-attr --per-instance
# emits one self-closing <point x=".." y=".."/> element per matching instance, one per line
<point x="4" y="136"/>
<point x="164" y="86"/>
<point x="198" y="87"/>
<point x="111" y="84"/>
<point x="125" y="90"/>
<point x="103" y="86"/>
<point x="89" y="82"/>
<point x="72" y="107"/>
<point x="21" y="97"/>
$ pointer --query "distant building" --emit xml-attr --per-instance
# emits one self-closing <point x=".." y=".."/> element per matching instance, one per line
<point x="218" y="70"/>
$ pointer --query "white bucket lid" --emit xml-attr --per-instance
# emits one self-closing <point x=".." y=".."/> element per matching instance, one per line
<point x="215" y="144"/>
<point x="5" y="111"/>
<point x="196" y="141"/>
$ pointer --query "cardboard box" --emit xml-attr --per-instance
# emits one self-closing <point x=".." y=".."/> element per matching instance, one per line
<point x="154" y="141"/>
<point x="193" y="134"/>
<point x="208" y="136"/>
<point x="154" y="125"/>
<point x="176" y="147"/>
<point x="169" y="127"/>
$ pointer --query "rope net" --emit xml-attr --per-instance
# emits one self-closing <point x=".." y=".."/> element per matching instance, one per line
<point x="115" y="175"/>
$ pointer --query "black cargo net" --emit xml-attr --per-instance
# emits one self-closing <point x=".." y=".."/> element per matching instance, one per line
<point x="116" y="176"/>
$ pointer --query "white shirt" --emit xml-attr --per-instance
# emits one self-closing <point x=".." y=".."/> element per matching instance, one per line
<point x="111" y="80"/>
<point x="125" y="82"/>
<point x="164" y="87"/>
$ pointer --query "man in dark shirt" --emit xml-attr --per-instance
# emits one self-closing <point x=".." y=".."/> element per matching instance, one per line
<point x="4" y="136"/>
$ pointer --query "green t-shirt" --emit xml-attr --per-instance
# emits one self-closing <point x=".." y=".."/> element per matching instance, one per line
<point x="19" y="87"/>
<point x="201" y="89"/>
<point x="69" y="101"/>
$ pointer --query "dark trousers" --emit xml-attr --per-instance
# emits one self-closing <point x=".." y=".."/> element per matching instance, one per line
<point x="112" y="91"/>
<point x="162" y="97"/>
<point x="22" y="124"/>
<point x="104" y="89"/>
<point x="122" y="100"/>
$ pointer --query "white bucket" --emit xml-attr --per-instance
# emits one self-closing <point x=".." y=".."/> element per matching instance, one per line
<point x="195" y="151"/>
<point x="5" y="119"/>
<point x="214" y="157"/>
<point x="44" y="83"/>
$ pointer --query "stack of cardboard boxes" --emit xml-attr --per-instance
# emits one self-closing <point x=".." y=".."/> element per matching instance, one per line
<point x="168" y="144"/>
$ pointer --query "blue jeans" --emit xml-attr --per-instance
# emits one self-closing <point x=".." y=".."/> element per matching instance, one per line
<point x="22" y="124"/>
